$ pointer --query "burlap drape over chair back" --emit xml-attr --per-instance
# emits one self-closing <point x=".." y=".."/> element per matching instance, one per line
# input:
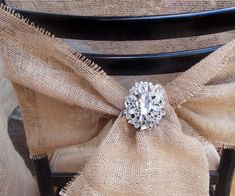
<point x="66" y="99"/>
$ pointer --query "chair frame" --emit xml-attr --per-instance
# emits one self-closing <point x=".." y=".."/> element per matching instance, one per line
<point x="122" y="28"/>
<point x="179" y="25"/>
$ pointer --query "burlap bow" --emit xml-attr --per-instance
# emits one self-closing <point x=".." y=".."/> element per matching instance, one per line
<point x="66" y="99"/>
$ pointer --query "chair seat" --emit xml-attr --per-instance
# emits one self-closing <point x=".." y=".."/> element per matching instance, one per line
<point x="73" y="159"/>
<point x="70" y="159"/>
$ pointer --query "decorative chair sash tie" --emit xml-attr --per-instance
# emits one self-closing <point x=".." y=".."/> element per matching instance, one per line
<point x="66" y="99"/>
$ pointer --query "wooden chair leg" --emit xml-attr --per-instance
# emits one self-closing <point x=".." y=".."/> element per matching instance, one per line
<point x="226" y="171"/>
<point x="43" y="174"/>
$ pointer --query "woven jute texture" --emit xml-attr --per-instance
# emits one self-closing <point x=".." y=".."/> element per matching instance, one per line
<point x="132" y="8"/>
<point x="121" y="7"/>
<point x="66" y="99"/>
<point x="15" y="177"/>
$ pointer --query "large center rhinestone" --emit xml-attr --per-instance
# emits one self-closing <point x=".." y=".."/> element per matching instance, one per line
<point x="145" y="105"/>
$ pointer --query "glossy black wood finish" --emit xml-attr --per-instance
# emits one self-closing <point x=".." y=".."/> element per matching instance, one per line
<point x="135" y="27"/>
<point x="148" y="27"/>
<point x="226" y="172"/>
<point x="43" y="174"/>
<point x="150" y="63"/>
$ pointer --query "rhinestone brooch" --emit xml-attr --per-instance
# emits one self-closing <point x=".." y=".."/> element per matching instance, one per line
<point x="145" y="105"/>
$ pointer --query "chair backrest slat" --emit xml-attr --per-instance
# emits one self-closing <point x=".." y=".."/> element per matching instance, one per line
<point x="130" y="28"/>
<point x="150" y="63"/>
<point x="135" y="27"/>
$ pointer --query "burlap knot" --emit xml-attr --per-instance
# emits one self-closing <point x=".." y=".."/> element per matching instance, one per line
<point x="66" y="99"/>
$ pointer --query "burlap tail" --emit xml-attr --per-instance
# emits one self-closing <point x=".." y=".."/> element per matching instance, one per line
<point x="67" y="99"/>
<point x="163" y="161"/>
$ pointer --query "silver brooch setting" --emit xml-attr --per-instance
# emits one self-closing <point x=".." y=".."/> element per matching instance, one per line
<point x="145" y="105"/>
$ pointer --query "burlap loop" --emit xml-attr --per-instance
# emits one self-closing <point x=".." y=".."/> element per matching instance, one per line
<point x="66" y="99"/>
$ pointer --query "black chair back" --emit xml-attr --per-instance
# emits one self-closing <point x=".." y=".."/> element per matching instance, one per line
<point x="139" y="28"/>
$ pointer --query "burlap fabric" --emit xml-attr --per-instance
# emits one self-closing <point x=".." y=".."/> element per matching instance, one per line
<point x="121" y="7"/>
<point x="15" y="177"/>
<point x="132" y="8"/>
<point x="66" y="99"/>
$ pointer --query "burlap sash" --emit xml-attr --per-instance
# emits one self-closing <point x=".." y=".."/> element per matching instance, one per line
<point x="66" y="99"/>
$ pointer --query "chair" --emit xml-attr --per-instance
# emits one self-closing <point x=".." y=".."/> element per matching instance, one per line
<point x="148" y="28"/>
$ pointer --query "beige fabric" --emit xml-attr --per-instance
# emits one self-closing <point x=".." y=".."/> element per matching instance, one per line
<point x="15" y="177"/>
<point x="152" y="46"/>
<point x="127" y="8"/>
<point x="121" y="7"/>
<point x="73" y="159"/>
<point x="66" y="100"/>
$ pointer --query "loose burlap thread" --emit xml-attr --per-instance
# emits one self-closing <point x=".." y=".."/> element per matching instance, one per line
<point x="67" y="97"/>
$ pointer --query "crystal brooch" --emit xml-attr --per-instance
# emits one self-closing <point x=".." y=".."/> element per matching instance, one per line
<point x="145" y="105"/>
